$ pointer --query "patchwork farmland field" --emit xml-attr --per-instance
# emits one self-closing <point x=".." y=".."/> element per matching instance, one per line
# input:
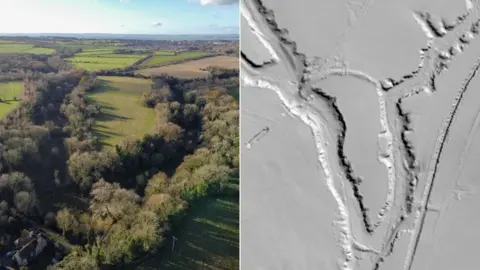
<point x="159" y="59"/>
<point x="122" y="114"/>
<point x="23" y="48"/>
<point x="164" y="52"/>
<point x="104" y="58"/>
<point x="104" y="61"/>
<point x="104" y="51"/>
<point x="193" y="69"/>
<point x="95" y="51"/>
<point x="47" y="51"/>
<point x="60" y="165"/>
<point x="9" y="93"/>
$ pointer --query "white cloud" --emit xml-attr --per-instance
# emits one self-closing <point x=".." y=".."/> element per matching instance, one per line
<point x="157" y="24"/>
<point x="219" y="2"/>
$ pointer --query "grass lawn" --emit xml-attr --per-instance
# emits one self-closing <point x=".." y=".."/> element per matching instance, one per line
<point x="104" y="61"/>
<point x="163" y="59"/>
<point x="209" y="239"/>
<point x="9" y="91"/>
<point x="122" y="114"/>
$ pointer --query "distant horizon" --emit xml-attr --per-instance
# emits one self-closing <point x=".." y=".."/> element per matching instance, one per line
<point x="126" y="35"/>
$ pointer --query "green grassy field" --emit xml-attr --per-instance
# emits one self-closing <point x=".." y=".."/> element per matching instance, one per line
<point x="234" y="92"/>
<point x="23" y="48"/>
<point x="164" y="52"/>
<point x="14" y="47"/>
<point x="47" y="51"/>
<point x="9" y="91"/>
<point x="122" y="114"/>
<point x="209" y="239"/>
<point x="103" y="58"/>
<point x="163" y="59"/>
<point x="98" y="51"/>
<point x="104" y="61"/>
<point x="105" y="51"/>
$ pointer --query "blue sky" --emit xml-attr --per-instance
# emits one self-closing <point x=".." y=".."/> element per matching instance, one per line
<point x="120" y="16"/>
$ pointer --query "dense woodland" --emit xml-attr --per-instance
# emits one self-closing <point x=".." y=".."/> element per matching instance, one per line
<point x="112" y="206"/>
<point x="14" y="67"/>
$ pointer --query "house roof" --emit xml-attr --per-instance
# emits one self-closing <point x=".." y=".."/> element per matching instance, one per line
<point x="26" y="251"/>
<point x="27" y="243"/>
<point x="24" y="239"/>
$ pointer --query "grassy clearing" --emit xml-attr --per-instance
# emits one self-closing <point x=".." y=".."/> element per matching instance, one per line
<point x="6" y="107"/>
<point x="208" y="240"/>
<point x="104" y="61"/>
<point x="163" y="59"/>
<point x="234" y="92"/>
<point x="122" y="114"/>
<point x="8" y="92"/>
<point x="194" y="68"/>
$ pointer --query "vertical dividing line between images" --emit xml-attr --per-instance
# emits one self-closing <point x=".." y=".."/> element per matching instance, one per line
<point x="239" y="139"/>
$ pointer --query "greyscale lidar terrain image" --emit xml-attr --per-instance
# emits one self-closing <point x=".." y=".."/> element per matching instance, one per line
<point x="359" y="138"/>
<point x="119" y="135"/>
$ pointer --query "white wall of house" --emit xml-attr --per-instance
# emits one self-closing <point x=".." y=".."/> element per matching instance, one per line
<point x="41" y="244"/>
<point x="20" y="261"/>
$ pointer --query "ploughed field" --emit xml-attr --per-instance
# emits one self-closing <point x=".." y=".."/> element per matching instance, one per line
<point x="194" y="68"/>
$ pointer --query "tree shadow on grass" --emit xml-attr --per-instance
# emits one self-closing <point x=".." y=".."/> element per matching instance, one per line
<point x="104" y="86"/>
<point x="9" y="102"/>
<point x="104" y="135"/>
<point x="209" y="239"/>
<point x="107" y="116"/>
